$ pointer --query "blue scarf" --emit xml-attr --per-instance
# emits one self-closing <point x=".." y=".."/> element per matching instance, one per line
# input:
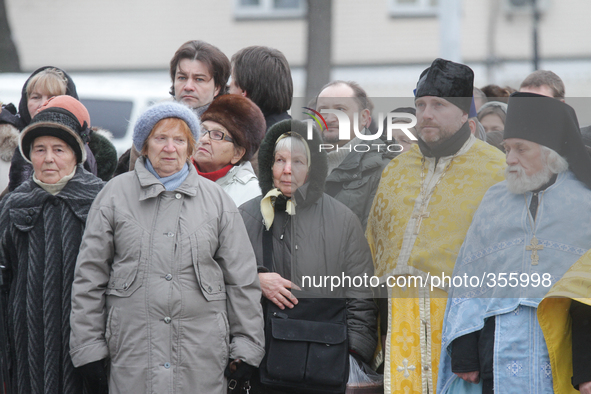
<point x="170" y="182"/>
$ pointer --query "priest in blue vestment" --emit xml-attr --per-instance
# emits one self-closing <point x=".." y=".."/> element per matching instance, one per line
<point x="526" y="233"/>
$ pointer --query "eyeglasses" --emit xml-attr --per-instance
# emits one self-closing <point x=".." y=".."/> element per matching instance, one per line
<point x="216" y="135"/>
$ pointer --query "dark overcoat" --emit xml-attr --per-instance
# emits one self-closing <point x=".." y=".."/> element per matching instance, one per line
<point x="40" y="236"/>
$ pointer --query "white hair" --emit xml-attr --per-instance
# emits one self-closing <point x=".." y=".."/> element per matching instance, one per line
<point x="293" y="145"/>
<point x="555" y="163"/>
<point x="287" y="143"/>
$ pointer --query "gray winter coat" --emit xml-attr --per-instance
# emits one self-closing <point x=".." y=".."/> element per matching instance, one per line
<point x="324" y="237"/>
<point x="165" y="286"/>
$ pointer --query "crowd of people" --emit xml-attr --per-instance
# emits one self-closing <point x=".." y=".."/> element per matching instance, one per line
<point x="221" y="252"/>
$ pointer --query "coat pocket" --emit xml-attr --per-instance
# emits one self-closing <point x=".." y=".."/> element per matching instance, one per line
<point x="224" y="331"/>
<point x="112" y="331"/>
<point x="126" y="273"/>
<point x="24" y="219"/>
<point x="357" y="184"/>
<point x="209" y="274"/>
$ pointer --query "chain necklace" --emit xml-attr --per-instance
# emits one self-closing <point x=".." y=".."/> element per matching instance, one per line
<point x="534" y="246"/>
<point x="424" y="196"/>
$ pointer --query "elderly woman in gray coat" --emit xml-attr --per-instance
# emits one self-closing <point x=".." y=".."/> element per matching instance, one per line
<point x="165" y="289"/>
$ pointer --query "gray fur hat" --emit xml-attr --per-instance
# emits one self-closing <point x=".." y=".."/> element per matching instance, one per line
<point x="154" y="114"/>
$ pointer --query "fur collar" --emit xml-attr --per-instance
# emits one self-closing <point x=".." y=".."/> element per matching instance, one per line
<point x="8" y="141"/>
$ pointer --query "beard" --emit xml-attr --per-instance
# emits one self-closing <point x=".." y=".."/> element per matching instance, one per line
<point x="330" y="137"/>
<point x="519" y="183"/>
<point x="444" y="133"/>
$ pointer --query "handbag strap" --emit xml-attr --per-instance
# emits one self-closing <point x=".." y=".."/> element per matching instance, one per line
<point x="268" y="248"/>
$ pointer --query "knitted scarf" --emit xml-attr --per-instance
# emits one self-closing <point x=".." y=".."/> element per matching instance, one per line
<point x="170" y="182"/>
<point x="214" y="175"/>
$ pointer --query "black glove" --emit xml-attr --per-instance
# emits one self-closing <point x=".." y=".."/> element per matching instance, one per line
<point x="95" y="377"/>
<point x="238" y="371"/>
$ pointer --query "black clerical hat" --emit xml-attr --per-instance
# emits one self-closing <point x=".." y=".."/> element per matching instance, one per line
<point x="552" y="123"/>
<point x="451" y="81"/>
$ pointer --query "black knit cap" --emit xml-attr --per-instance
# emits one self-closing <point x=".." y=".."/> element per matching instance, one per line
<point x="451" y="81"/>
<point x="551" y="123"/>
<point x="60" y="123"/>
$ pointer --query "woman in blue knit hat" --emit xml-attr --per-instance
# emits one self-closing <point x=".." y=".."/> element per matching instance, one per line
<point x="166" y="291"/>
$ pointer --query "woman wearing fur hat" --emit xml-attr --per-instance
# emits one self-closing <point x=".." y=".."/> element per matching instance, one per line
<point x="41" y="226"/>
<point x="165" y="286"/>
<point x="307" y="233"/>
<point x="231" y="131"/>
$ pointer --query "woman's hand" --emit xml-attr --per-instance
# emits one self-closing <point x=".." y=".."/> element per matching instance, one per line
<point x="585" y="388"/>
<point x="276" y="289"/>
<point x="470" y="377"/>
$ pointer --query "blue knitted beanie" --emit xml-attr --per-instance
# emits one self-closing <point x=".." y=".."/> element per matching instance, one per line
<point x="154" y="114"/>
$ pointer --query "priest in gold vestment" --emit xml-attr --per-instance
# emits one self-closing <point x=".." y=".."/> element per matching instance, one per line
<point x="565" y="318"/>
<point x="419" y="218"/>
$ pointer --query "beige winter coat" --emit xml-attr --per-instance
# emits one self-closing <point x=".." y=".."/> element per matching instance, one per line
<point x="166" y="286"/>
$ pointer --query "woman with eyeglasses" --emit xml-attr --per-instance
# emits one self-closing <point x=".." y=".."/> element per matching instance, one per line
<point x="231" y="131"/>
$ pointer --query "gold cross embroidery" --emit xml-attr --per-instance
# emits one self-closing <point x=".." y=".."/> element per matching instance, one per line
<point x="534" y="247"/>
<point x="419" y="217"/>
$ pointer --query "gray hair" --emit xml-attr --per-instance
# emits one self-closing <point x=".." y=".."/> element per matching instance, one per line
<point x="554" y="162"/>
<point x="290" y="143"/>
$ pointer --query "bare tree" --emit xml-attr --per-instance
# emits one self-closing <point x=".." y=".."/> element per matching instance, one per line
<point x="319" y="45"/>
<point x="9" y="61"/>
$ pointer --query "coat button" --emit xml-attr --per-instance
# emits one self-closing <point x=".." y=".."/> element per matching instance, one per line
<point x="178" y="196"/>
<point x="170" y="235"/>
<point x="220" y="287"/>
<point x="168" y="277"/>
<point x="167" y="365"/>
<point x="426" y="367"/>
<point x="209" y="289"/>
<point x="31" y="212"/>
<point x="125" y="286"/>
<point x="167" y="320"/>
<point x="28" y="219"/>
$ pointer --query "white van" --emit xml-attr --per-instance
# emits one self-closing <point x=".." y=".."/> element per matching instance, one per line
<point x="114" y="100"/>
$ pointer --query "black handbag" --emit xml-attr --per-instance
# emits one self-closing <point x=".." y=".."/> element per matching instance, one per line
<point x="306" y="347"/>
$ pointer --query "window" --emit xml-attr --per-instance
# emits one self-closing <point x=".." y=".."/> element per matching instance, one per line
<point x="247" y="9"/>
<point x="405" y="8"/>
<point x="111" y="115"/>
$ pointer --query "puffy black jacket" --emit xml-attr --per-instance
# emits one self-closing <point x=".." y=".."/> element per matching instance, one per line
<point x="355" y="181"/>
